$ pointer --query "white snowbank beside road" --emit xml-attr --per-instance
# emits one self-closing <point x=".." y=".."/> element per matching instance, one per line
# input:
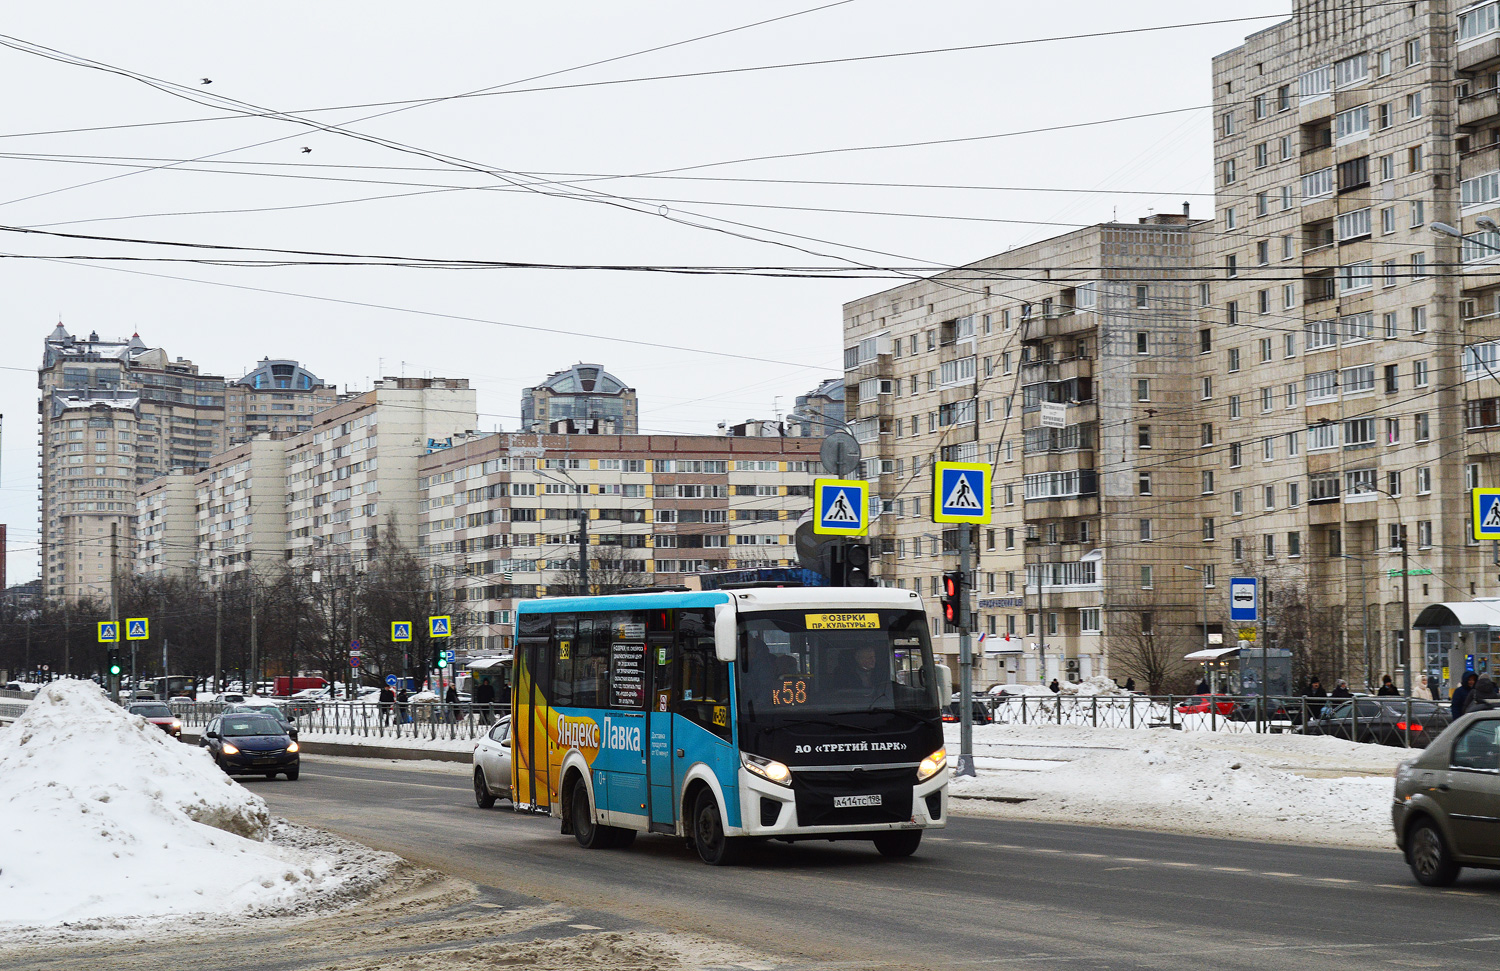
<point x="103" y="816"/>
<point x="1235" y="785"/>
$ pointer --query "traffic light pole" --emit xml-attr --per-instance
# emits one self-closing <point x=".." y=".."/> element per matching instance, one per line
<point x="965" y="657"/>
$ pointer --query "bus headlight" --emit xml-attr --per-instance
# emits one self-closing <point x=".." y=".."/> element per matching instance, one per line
<point x="768" y="769"/>
<point x="932" y="765"/>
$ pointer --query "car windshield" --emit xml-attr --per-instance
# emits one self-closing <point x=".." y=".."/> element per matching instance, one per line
<point x="250" y="725"/>
<point x="823" y="661"/>
<point x="151" y="711"/>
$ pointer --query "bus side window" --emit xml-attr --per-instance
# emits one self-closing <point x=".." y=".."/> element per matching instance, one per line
<point x="564" y="645"/>
<point x="704" y="679"/>
<point x="591" y="663"/>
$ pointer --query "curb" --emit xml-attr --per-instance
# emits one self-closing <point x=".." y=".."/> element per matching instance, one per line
<point x="366" y="751"/>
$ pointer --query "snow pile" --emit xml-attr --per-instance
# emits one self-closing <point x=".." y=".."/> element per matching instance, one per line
<point x="104" y="816"/>
<point x="1281" y="787"/>
<point x="1097" y="685"/>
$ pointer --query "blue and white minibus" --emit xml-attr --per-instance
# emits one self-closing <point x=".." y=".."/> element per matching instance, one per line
<point x="724" y="716"/>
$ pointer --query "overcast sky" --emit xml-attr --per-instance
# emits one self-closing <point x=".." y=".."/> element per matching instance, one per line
<point x="256" y="186"/>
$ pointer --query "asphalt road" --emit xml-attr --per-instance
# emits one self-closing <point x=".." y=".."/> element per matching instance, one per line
<point x="981" y="892"/>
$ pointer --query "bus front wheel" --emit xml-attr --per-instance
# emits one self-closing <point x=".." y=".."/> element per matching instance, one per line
<point x="591" y="835"/>
<point x="714" y="848"/>
<point x="899" y="843"/>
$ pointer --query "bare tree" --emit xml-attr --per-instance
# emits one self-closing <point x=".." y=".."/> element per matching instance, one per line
<point x="1147" y="642"/>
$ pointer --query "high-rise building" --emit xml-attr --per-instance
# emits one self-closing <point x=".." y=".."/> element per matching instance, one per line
<point x="277" y="398"/>
<point x="114" y="414"/>
<point x="1068" y="366"/>
<point x="585" y="399"/>
<point x="819" y="411"/>
<point x="500" y="514"/>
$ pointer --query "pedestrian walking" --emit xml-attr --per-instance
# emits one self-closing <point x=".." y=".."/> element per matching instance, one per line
<point x="1130" y="684"/>
<point x="484" y="697"/>
<point x="1386" y="686"/>
<point x="1202" y="688"/>
<point x="1054" y="686"/>
<point x="401" y="700"/>
<point x="450" y="699"/>
<point x="387" y="699"/>
<point x="1462" y="692"/>
<point x="1340" y="690"/>
<point x="1484" y="691"/>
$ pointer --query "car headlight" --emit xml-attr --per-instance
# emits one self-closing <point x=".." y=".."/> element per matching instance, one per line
<point x="932" y="765"/>
<point x="231" y="749"/>
<point x="292" y="747"/>
<point x="176" y="723"/>
<point x="768" y="769"/>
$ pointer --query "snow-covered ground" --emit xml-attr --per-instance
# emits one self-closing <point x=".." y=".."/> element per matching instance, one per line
<point x="107" y="821"/>
<point x="1288" y="788"/>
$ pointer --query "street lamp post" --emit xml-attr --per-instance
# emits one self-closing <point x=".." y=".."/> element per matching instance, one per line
<point x="1200" y="572"/>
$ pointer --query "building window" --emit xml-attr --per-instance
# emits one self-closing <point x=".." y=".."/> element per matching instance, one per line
<point x="1144" y="528"/>
<point x="1146" y="578"/>
<point x="1142" y="389"/>
<point x="1143" y="484"/>
<point x="1208" y="481"/>
<point x="1208" y="528"/>
<point x="1143" y="437"/>
<point x="1234" y="359"/>
<point x="1237" y="549"/>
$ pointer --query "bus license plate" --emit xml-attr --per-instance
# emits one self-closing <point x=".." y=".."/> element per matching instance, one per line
<point x="849" y="802"/>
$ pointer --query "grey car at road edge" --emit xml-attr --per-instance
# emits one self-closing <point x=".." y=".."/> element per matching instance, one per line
<point x="1446" y="811"/>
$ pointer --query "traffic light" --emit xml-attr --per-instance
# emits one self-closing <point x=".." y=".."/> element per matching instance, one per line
<point x="114" y="664"/>
<point x="953" y="584"/>
<point x="857" y="565"/>
<point x="438" y="660"/>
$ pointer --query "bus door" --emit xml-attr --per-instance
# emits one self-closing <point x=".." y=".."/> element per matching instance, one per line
<point x="662" y="662"/>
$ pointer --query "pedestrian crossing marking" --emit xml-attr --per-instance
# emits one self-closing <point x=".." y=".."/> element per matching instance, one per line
<point x="962" y="496"/>
<point x="840" y="511"/>
<point x="960" y="492"/>
<point x="1485" y="513"/>
<point x="841" y="507"/>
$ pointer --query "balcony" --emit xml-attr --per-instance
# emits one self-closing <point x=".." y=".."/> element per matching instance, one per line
<point x="1318" y="109"/>
<point x="1038" y="372"/>
<point x="1478" y="110"/>
<point x="1483" y="56"/>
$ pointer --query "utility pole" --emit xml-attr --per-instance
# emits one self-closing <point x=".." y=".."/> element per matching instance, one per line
<point x="965" y="658"/>
<point x="1263" y="589"/>
<point x="583" y="552"/>
<point x="219" y="635"/>
<point x="254" y="644"/>
<point x="1405" y="616"/>
<point x="114" y="594"/>
<point x="353" y="623"/>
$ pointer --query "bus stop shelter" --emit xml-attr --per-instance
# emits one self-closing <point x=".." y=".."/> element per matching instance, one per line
<point x="1459" y="636"/>
<point x="1240" y="670"/>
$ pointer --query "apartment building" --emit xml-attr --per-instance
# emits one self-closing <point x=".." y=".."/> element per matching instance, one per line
<point x="1068" y="366"/>
<point x="584" y="399"/>
<point x="1356" y="346"/>
<point x="240" y="510"/>
<point x="113" y="415"/>
<point x="166" y="540"/>
<point x="277" y="398"/>
<point x="500" y="514"/>
<point x="353" y="474"/>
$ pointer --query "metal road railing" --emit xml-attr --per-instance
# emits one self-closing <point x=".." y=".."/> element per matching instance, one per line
<point x="1400" y="721"/>
<point x="418" y="719"/>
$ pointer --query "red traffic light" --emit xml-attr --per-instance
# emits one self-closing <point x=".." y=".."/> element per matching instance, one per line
<point x="952" y="591"/>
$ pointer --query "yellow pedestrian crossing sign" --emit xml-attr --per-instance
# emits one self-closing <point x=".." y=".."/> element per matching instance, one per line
<point x="137" y="628"/>
<point x="400" y="630"/>
<point x="1486" y="503"/>
<point x="841" y="507"/>
<point x="109" y="632"/>
<point x="439" y="626"/>
<point x="960" y="492"/>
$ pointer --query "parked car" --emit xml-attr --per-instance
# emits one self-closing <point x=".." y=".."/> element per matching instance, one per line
<point x="159" y="715"/>
<point x="492" y="765"/>
<point x="1382" y="720"/>
<point x="251" y="743"/>
<point x="981" y="716"/>
<point x="289" y="726"/>
<point x="1447" y="800"/>
<point x="1198" y="705"/>
<point x="1278" y="709"/>
<point x="229" y="697"/>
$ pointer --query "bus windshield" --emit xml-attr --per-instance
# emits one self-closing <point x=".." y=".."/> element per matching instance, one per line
<point x="812" y="661"/>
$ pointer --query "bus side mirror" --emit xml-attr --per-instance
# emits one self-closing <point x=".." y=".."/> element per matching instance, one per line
<point x="726" y="636"/>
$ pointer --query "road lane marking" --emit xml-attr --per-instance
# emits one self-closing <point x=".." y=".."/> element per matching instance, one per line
<point x="1333" y="880"/>
<point x="381" y="782"/>
<point x="1231" y="869"/>
<point x="1287" y="876"/>
<point x="1175" y="863"/>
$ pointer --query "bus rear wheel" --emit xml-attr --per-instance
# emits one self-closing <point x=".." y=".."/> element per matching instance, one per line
<point x="714" y="848"/>
<point x="900" y="843"/>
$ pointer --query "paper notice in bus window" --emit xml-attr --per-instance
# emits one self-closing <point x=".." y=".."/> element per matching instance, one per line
<point x="841" y="621"/>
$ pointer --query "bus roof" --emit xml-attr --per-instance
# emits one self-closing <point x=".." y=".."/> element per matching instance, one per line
<point x="756" y="598"/>
<point x="628" y="601"/>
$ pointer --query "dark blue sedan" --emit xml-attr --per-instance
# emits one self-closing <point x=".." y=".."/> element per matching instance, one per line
<point x="246" y="743"/>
